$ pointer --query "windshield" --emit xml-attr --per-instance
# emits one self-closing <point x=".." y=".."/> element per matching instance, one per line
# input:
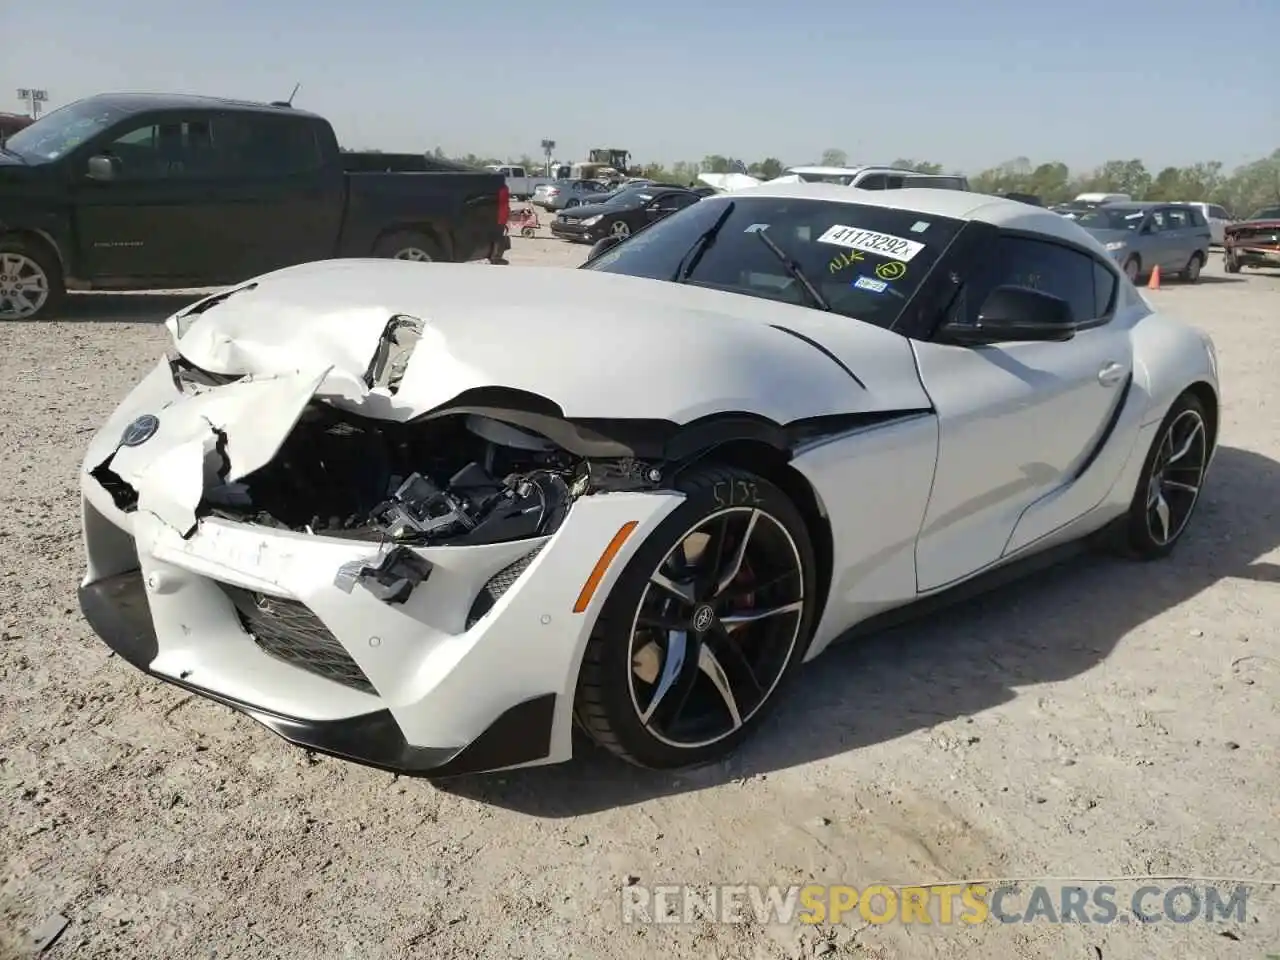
<point x="866" y="262"/>
<point x="1111" y="218"/>
<point x="58" y="133"/>
<point x="1267" y="213"/>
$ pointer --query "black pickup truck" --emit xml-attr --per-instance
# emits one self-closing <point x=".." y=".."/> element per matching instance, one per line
<point x="142" y="191"/>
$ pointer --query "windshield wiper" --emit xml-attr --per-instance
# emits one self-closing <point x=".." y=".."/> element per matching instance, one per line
<point x="700" y="246"/>
<point x="793" y="268"/>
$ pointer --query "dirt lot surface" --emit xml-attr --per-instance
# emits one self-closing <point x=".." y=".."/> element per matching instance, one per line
<point x="1103" y="720"/>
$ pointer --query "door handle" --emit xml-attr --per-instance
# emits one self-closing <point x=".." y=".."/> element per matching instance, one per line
<point x="1111" y="374"/>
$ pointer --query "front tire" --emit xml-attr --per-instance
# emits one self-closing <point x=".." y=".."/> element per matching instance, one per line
<point x="1169" y="487"/>
<point x="1133" y="268"/>
<point x="1191" y="272"/>
<point x="707" y="622"/>
<point x="31" y="282"/>
<point x="1231" y="264"/>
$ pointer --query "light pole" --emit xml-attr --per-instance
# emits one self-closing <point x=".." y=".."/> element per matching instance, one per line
<point x="548" y="146"/>
<point x="34" y="99"/>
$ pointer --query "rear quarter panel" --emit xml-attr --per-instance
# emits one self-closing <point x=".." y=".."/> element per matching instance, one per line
<point x="459" y="210"/>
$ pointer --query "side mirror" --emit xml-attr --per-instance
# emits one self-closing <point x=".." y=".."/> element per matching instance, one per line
<point x="102" y="168"/>
<point x="1013" y="314"/>
<point x="602" y="246"/>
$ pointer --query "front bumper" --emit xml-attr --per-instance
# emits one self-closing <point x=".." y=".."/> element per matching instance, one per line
<point x="251" y="617"/>
<point x="572" y="230"/>
<point x="1255" y="256"/>
<point x="118" y="611"/>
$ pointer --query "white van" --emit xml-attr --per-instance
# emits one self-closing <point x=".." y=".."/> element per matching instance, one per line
<point x="1100" y="198"/>
<point x="1218" y="218"/>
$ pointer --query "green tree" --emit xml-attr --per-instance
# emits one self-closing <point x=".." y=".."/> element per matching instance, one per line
<point x="769" y="168"/>
<point x="833" y="157"/>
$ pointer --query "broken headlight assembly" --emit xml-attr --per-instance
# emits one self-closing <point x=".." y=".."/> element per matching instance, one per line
<point x="462" y="480"/>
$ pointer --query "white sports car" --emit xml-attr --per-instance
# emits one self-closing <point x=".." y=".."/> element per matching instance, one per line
<point x="429" y="518"/>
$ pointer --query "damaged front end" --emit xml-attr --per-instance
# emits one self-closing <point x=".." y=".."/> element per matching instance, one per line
<point x="289" y="452"/>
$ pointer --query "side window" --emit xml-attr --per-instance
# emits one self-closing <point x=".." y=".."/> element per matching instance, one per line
<point x="1219" y="213"/>
<point x="674" y="201"/>
<point x="1158" y="221"/>
<point x="1178" y="218"/>
<point x="1039" y="265"/>
<point x="159" y="151"/>
<point x="894" y="182"/>
<point x="257" y="145"/>
<point x="1104" y="290"/>
<point x="873" y="181"/>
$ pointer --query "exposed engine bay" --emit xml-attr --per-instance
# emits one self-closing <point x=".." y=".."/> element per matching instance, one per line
<point x="463" y="479"/>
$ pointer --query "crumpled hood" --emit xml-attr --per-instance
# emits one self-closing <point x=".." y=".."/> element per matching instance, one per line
<point x="598" y="345"/>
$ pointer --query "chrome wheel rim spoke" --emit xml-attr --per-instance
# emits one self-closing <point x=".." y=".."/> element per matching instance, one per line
<point x="1176" y="477"/>
<point x="24" y="288"/>
<point x="717" y="625"/>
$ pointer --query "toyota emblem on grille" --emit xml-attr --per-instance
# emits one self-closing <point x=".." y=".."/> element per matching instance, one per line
<point x="140" y="431"/>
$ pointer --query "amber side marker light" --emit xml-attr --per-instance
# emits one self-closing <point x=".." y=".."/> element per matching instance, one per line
<point x="602" y="565"/>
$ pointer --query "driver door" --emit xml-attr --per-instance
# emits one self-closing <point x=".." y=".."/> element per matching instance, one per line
<point x="1017" y="420"/>
<point x="151" y="220"/>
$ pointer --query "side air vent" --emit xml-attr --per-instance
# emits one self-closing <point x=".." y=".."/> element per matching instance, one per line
<point x="497" y="585"/>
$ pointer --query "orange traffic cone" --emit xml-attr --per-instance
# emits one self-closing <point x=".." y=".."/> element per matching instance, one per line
<point x="1154" y="282"/>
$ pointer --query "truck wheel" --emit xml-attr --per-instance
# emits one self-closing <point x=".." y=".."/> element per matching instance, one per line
<point x="31" y="283"/>
<point x="1231" y="264"/>
<point x="408" y="246"/>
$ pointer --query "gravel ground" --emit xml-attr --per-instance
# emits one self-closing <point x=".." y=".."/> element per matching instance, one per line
<point x="1101" y="720"/>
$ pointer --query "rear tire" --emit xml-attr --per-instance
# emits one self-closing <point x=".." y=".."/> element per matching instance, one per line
<point x="31" y="283"/>
<point x="1231" y="264"/>
<point x="527" y="232"/>
<point x="408" y="245"/>
<point x="665" y="682"/>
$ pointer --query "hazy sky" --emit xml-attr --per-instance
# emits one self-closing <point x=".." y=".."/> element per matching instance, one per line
<point x="968" y="84"/>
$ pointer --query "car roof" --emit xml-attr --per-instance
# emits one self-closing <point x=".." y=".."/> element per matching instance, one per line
<point x="955" y="204"/>
<point x="863" y="168"/>
<point x="1146" y="204"/>
<point x="142" y="102"/>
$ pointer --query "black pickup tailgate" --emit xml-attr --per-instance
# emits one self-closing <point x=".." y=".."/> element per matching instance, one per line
<point x="460" y="209"/>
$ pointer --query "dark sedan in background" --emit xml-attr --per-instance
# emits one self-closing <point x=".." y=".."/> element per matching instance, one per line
<point x="621" y="216"/>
